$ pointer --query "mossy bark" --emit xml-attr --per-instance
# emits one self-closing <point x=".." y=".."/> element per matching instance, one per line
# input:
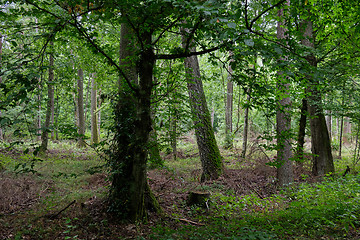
<point x="129" y="190"/>
<point x="211" y="160"/>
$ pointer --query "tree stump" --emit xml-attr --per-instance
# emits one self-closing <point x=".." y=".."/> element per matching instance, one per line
<point x="198" y="198"/>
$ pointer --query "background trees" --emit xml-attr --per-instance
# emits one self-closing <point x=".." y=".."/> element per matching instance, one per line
<point x="239" y="38"/>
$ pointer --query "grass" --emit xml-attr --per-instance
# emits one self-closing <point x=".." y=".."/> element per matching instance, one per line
<point x="328" y="209"/>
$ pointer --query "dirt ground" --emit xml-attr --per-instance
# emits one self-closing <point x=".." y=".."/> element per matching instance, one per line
<point x="19" y="199"/>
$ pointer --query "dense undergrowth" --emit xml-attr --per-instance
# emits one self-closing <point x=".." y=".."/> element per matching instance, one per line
<point x="320" y="208"/>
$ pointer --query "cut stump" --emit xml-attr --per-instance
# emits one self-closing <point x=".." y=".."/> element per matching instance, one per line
<point x="198" y="198"/>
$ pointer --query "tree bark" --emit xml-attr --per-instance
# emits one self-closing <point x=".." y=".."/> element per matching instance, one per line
<point x="328" y="122"/>
<point x="80" y="104"/>
<point x="246" y="126"/>
<point x="301" y="132"/>
<point x="50" y="106"/>
<point x="211" y="160"/>
<point x="320" y="142"/>
<point x="95" y="137"/>
<point x="229" y="110"/>
<point x="129" y="188"/>
<point x="285" y="173"/>
<point x="341" y="135"/>
<point x="1" y="44"/>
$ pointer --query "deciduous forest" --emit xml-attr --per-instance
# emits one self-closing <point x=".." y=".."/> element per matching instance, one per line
<point x="179" y="119"/>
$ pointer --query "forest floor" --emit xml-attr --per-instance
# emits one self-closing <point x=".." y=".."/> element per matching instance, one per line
<point x="62" y="195"/>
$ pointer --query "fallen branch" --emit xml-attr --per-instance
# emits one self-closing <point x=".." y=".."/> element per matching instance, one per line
<point x="54" y="216"/>
<point x="191" y="222"/>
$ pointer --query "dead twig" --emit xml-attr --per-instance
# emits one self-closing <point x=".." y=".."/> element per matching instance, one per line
<point x="54" y="216"/>
<point x="191" y="222"/>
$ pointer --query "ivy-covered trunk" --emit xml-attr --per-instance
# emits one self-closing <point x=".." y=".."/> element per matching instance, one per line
<point x="320" y="141"/>
<point x="130" y="194"/>
<point x="211" y="160"/>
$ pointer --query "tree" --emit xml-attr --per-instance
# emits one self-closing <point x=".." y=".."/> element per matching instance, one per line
<point x="211" y="160"/>
<point x="229" y="109"/>
<point x="50" y="105"/>
<point x="1" y="46"/>
<point x="283" y="117"/>
<point x="320" y="141"/>
<point x="80" y="107"/>
<point x="95" y="136"/>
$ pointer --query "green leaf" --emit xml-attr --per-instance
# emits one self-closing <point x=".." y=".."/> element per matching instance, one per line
<point x="249" y="42"/>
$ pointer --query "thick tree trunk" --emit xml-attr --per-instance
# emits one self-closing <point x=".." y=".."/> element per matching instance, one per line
<point x="211" y="160"/>
<point x="229" y="111"/>
<point x="80" y="104"/>
<point x="246" y="126"/>
<point x="301" y="132"/>
<point x="320" y="142"/>
<point x="95" y="136"/>
<point x="285" y="173"/>
<point x="50" y="106"/>
<point x="130" y="190"/>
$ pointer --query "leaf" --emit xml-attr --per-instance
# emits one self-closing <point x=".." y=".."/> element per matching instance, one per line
<point x="231" y="25"/>
<point x="249" y="42"/>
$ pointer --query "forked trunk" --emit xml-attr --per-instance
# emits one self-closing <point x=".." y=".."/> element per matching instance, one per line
<point x="320" y="142"/>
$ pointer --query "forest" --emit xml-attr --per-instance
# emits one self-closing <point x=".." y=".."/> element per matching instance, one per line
<point x="179" y="119"/>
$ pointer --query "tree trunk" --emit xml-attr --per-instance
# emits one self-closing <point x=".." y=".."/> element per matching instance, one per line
<point x="285" y="173"/>
<point x="229" y="110"/>
<point x="320" y="142"/>
<point x="173" y="123"/>
<point x="38" y="119"/>
<point x="328" y="122"/>
<point x="80" y="104"/>
<point x="56" y="124"/>
<point x="50" y="106"/>
<point x="129" y="188"/>
<point x="86" y="105"/>
<point x="246" y="126"/>
<point x="95" y="137"/>
<point x="211" y="160"/>
<point x="52" y="118"/>
<point x="301" y="133"/>
<point x="341" y="135"/>
<point x="1" y="44"/>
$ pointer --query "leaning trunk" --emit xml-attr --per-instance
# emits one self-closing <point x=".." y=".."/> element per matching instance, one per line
<point x="211" y="160"/>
